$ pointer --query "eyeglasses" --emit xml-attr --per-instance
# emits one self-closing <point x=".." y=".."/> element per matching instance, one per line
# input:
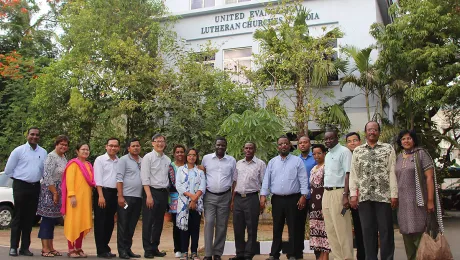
<point x="353" y="141"/>
<point x="160" y="141"/>
<point x="194" y="155"/>
<point x="372" y="130"/>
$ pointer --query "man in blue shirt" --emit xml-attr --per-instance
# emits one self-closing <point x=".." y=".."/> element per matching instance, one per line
<point x="285" y="178"/>
<point x="309" y="162"/>
<point x="25" y="166"/>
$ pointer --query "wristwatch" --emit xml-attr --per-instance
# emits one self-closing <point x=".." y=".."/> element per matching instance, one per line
<point x="345" y="193"/>
<point x="305" y="195"/>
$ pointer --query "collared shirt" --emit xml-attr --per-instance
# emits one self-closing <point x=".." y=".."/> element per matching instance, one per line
<point x="26" y="164"/>
<point x="105" y="171"/>
<point x="154" y="170"/>
<point x="249" y="175"/>
<point x="336" y="165"/>
<point x="129" y="173"/>
<point x="309" y="163"/>
<point x="373" y="173"/>
<point x="219" y="172"/>
<point x="285" y="176"/>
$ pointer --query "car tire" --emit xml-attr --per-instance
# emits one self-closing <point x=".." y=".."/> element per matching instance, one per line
<point x="6" y="216"/>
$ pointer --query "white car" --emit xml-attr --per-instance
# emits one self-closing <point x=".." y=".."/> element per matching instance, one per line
<point x="7" y="202"/>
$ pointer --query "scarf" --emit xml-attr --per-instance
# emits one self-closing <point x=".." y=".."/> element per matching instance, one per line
<point x="89" y="179"/>
<point x="420" y="187"/>
<point x="182" y="181"/>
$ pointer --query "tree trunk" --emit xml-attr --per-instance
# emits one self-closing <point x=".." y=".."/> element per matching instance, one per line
<point x="366" y="95"/>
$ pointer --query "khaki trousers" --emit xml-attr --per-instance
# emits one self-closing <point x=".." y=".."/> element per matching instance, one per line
<point x="338" y="228"/>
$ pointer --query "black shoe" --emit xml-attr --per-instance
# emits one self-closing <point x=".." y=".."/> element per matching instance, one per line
<point x="217" y="257"/>
<point x="123" y="256"/>
<point x="112" y="255"/>
<point x="25" y="252"/>
<point x="133" y="255"/>
<point x="236" y="258"/>
<point x="13" y="252"/>
<point x="148" y="255"/>
<point x="159" y="254"/>
<point x="207" y="258"/>
<point x="107" y="255"/>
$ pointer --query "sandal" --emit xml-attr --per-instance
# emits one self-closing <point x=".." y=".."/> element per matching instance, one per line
<point x="47" y="254"/>
<point x="55" y="253"/>
<point x="184" y="256"/>
<point x="73" y="254"/>
<point x="81" y="253"/>
<point x="195" y="256"/>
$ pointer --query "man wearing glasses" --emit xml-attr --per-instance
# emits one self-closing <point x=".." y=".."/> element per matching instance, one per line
<point x="154" y="177"/>
<point x="105" y="198"/>
<point x="129" y="187"/>
<point x="286" y="179"/>
<point x="373" y="173"/>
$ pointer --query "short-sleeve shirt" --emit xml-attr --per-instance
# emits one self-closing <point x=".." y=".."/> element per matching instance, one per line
<point x="249" y="175"/>
<point x="129" y="173"/>
<point x="336" y="165"/>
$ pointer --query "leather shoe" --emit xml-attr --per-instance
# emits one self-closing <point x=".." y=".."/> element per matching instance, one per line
<point x="13" y="252"/>
<point x="159" y="254"/>
<point x="123" y="256"/>
<point x="217" y="257"/>
<point x="133" y="255"/>
<point x="207" y="258"/>
<point x="105" y="255"/>
<point x="148" y="255"/>
<point x="25" y="252"/>
<point x="112" y="255"/>
<point x="236" y="258"/>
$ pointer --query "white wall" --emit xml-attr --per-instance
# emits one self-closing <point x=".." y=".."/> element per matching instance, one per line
<point x="354" y="17"/>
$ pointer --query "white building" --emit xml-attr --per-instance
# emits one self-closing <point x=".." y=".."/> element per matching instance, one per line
<point x="230" y="24"/>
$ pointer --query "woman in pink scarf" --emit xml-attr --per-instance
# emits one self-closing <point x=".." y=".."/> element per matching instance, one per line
<point x="77" y="185"/>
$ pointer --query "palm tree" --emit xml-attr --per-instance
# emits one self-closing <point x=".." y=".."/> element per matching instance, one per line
<point x="294" y="58"/>
<point x="366" y="79"/>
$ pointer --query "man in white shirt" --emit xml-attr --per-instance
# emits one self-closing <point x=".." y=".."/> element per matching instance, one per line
<point x="220" y="168"/>
<point x="154" y="177"/>
<point x="105" y="199"/>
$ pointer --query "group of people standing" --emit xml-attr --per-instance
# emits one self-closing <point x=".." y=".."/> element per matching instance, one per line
<point x="329" y="184"/>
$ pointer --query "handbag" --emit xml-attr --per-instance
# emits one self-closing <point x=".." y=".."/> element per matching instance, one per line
<point x="432" y="246"/>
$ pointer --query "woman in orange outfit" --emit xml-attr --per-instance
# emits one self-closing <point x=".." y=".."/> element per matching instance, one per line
<point x="77" y="185"/>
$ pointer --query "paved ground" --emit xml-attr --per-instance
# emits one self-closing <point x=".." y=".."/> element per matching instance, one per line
<point x="452" y="226"/>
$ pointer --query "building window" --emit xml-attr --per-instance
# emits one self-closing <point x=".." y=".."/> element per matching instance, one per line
<point x="197" y="4"/>
<point x="236" y="61"/>
<point x="235" y="1"/>
<point x="206" y="60"/>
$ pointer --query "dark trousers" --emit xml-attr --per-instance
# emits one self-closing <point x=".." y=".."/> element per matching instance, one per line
<point x="104" y="219"/>
<point x="193" y="231"/>
<point x="152" y="219"/>
<point x="245" y="216"/>
<point x="361" y="252"/>
<point x="284" y="210"/>
<point x="25" y="196"/>
<point x="176" y="234"/>
<point x="300" y="230"/>
<point x="377" y="217"/>
<point x="126" y="223"/>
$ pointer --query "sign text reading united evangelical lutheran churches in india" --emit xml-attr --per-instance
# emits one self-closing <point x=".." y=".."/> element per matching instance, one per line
<point x="244" y="20"/>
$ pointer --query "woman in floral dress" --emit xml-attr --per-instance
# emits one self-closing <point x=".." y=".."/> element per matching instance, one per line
<point x="49" y="202"/>
<point x="318" y="236"/>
